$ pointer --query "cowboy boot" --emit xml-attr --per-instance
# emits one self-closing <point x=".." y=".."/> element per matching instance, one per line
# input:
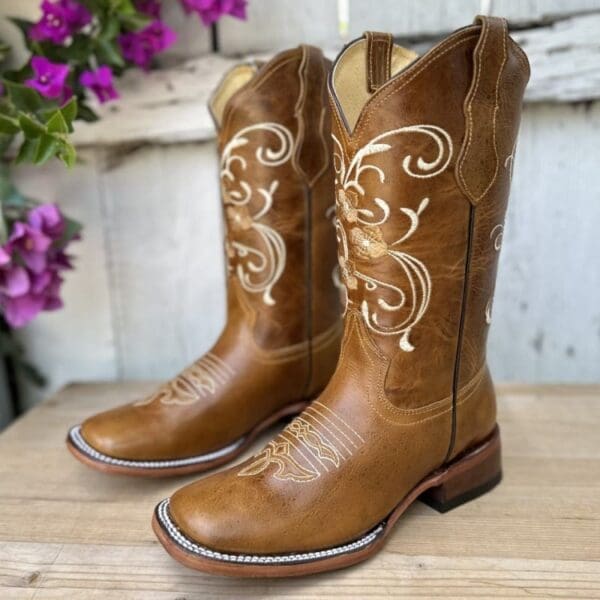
<point x="281" y="340"/>
<point x="423" y="152"/>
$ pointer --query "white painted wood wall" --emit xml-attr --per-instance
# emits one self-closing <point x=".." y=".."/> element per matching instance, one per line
<point x="147" y="296"/>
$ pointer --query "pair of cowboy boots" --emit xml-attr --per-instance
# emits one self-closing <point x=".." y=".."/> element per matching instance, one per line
<point x="421" y="152"/>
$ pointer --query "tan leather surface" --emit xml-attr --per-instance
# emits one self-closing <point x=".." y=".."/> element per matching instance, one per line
<point x="412" y="387"/>
<point x="281" y="341"/>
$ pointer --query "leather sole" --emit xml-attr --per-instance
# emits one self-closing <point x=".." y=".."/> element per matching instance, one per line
<point x="95" y="459"/>
<point x="468" y="476"/>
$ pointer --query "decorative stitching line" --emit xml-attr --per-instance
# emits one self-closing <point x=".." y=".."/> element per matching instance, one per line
<point x="307" y="414"/>
<point x="170" y="527"/>
<point x="436" y="54"/>
<point x="305" y="438"/>
<point x="340" y="419"/>
<point x="312" y="408"/>
<point x="194" y="383"/>
<point x="472" y="97"/>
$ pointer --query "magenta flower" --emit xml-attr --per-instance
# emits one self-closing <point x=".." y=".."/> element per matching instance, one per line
<point x="100" y="82"/>
<point x="31" y="263"/>
<point x="31" y="244"/>
<point x="60" y="20"/>
<point x="211" y="11"/>
<point x="48" y="219"/>
<point x="19" y="311"/>
<point x="149" y="7"/>
<point x="49" y="78"/>
<point x="139" y="47"/>
<point x="14" y="280"/>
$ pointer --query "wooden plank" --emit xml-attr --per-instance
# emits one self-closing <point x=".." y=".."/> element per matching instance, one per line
<point x="193" y="38"/>
<point x="76" y="342"/>
<point x="165" y="243"/>
<point x="431" y="17"/>
<point x="164" y="106"/>
<point x="66" y="531"/>
<point x="546" y="321"/>
<point x="565" y="60"/>
<point x="280" y="24"/>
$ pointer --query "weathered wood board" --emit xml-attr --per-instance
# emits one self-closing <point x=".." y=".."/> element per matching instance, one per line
<point x="69" y="532"/>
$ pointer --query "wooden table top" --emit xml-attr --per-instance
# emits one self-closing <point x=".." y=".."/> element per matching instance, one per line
<point x="69" y="532"/>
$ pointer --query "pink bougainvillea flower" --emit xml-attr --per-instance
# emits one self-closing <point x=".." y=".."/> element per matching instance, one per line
<point x="60" y="20"/>
<point x="31" y="244"/>
<point x="31" y="263"/>
<point x="139" y="47"/>
<point x="14" y="281"/>
<point x="100" y="82"/>
<point x="211" y="11"/>
<point x="149" y="7"/>
<point x="19" y="311"/>
<point x="48" y="219"/>
<point x="49" y="78"/>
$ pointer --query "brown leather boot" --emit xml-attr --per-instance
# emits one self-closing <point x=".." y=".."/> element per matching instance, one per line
<point x="423" y="155"/>
<point x="281" y="342"/>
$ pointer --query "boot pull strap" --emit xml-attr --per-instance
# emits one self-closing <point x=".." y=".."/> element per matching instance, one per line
<point x="311" y="155"/>
<point x="379" y="59"/>
<point x="478" y="161"/>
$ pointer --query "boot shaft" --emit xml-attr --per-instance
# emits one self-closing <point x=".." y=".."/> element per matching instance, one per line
<point x="423" y="162"/>
<point x="277" y="187"/>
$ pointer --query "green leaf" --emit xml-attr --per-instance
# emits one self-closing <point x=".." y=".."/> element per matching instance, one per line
<point x="57" y="124"/>
<point x="4" y="50"/>
<point x="67" y="153"/>
<point x="23" y="97"/>
<point x="69" y="111"/>
<point x="28" y="151"/>
<point x="72" y="228"/>
<point x="135" y="22"/>
<point x="47" y="148"/>
<point x="8" y="125"/>
<point x="109" y="53"/>
<point x="31" y="127"/>
<point x="110" y="29"/>
<point x="85" y="113"/>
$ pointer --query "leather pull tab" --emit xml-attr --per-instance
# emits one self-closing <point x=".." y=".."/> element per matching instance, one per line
<point x="478" y="161"/>
<point x="311" y="157"/>
<point x="379" y="59"/>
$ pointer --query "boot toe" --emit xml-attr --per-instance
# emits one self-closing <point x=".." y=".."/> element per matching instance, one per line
<point x="116" y="433"/>
<point x="210" y="516"/>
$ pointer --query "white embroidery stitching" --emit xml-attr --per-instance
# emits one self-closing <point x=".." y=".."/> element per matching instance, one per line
<point x="268" y="262"/>
<point x="366" y="238"/>
<point x="197" y="381"/>
<point x="306" y="449"/>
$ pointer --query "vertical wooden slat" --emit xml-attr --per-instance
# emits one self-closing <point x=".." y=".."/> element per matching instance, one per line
<point x="164" y="237"/>
<point x="277" y="24"/>
<point x="546" y="315"/>
<point x="77" y="342"/>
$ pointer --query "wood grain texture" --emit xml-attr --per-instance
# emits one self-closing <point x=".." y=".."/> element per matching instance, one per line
<point x="546" y="315"/>
<point x="69" y="532"/>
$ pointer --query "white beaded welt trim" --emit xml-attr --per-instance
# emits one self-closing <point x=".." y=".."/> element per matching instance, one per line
<point x="162" y="511"/>
<point x="77" y="439"/>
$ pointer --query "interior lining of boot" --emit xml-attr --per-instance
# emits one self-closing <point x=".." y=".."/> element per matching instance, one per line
<point x="231" y="83"/>
<point x="350" y="77"/>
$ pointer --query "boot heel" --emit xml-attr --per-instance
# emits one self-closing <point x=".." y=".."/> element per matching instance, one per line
<point x="467" y="477"/>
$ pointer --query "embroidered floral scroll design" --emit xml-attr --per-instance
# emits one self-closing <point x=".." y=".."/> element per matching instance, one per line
<point x="257" y="266"/>
<point x="198" y="381"/>
<point x="361" y="239"/>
